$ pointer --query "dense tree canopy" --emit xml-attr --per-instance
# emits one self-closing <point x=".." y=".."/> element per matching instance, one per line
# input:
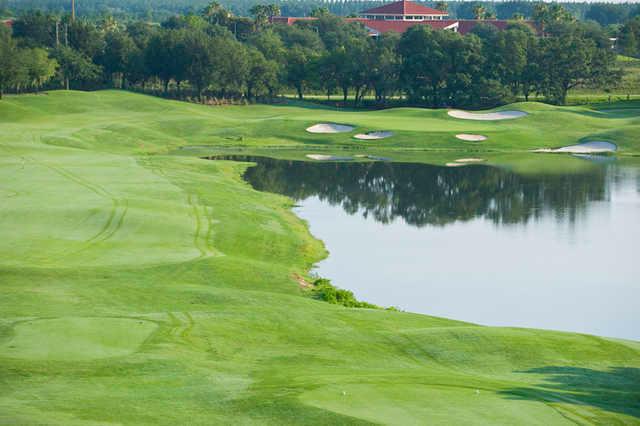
<point x="159" y="10"/>
<point x="212" y="54"/>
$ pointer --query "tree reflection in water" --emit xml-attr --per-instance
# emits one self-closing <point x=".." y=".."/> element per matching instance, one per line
<point x="424" y="194"/>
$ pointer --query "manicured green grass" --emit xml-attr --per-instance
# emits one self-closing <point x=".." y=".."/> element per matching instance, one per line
<point x="140" y="286"/>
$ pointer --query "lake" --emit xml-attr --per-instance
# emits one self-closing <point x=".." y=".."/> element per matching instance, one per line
<point x="476" y="243"/>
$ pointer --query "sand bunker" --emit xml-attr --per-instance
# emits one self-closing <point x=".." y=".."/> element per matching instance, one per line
<point x="471" y="138"/>
<point x="591" y="147"/>
<point x="469" y="160"/>
<point x="329" y="128"/>
<point x="488" y="116"/>
<point x="464" y="161"/>
<point x="373" y="135"/>
<point x="322" y="157"/>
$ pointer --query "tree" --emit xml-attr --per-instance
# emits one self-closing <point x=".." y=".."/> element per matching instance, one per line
<point x="231" y="65"/>
<point x="216" y="14"/>
<point x="424" y="64"/>
<point x="74" y="66"/>
<point x="479" y="12"/>
<point x="629" y="38"/>
<point x="607" y="14"/>
<point x="570" y="59"/>
<point x="442" y="6"/>
<point x="86" y="38"/>
<point x="199" y="59"/>
<point x="9" y="66"/>
<point x="36" y="29"/>
<point x="299" y="69"/>
<point x="262" y="76"/>
<point x="117" y="52"/>
<point x="545" y="14"/>
<point x="163" y="56"/>
<point x="39" y="68"/>
<point x="263" y="12"/>
<point x="384" y="69"/>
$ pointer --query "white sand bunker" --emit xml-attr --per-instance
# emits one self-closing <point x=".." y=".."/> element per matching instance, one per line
<point x="471" y="138"/>
<point x="322" y="157"/>
<point x="591" y="147"/>
<point x="464" y="161"/>
<point x="329" y="128"/>
<point x="488" y="116"/>
<point x="373" y="135"/>
<point x="469" y="160"/>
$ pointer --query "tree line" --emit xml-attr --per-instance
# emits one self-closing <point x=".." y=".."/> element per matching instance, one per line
<point x="603" y="13"/>
<point x="216" y="55"/>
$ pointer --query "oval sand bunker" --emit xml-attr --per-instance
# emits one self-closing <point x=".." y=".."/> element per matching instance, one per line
<point x="591" y="147"/>
<point x="322" y="157"/>
<point x="330" y="128"/>
<point x="76" y="338"/>
<point x="487" y="116"/>
<point x="471" y="138"/>
<point x="373" y="135"/>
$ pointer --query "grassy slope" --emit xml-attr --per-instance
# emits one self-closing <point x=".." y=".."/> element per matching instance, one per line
<point x="146" y="288"/>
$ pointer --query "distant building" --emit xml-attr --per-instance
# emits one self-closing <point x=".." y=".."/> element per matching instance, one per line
<point x="7" y="22"/>
<point x="401" y="15"/>
<point x="403" y="11"/>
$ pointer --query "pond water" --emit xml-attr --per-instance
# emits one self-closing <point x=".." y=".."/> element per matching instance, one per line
<point x="476" y="243"/>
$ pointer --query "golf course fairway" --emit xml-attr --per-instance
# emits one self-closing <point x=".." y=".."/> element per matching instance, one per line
<point x="144" y="285"/>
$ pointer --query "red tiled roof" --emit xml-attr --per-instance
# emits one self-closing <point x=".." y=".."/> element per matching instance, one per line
<point x="403" y="7"/>
<point x="402" y="26"/>
<point x="464" y="26"/>
<point x="290" y="20"/>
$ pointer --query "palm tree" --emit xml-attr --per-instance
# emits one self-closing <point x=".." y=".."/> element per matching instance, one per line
<point x="215" y="13"/>
<point x="479" y="12"/>
<point x="73" y="10"/>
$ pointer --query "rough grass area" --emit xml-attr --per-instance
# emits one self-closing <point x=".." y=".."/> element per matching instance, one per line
<point x="141" y="287"/>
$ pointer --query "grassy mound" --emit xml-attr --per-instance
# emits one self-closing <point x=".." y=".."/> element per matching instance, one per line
<point x="142" y="287"/>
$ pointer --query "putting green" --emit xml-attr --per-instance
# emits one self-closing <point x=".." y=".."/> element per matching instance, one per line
<point x="413" y="404"/>
<point x="76" y="339"/>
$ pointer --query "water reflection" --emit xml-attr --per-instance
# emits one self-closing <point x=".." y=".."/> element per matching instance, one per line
<point x="569" y="264"/>
<point x="423" y="194"/>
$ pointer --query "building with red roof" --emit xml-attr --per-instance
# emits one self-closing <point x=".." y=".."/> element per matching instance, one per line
<point x="401" y="15"/>
<point x="403" y="10"/>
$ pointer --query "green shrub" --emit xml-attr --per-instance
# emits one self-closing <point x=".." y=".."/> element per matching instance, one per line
<point x="324" y="290"/>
